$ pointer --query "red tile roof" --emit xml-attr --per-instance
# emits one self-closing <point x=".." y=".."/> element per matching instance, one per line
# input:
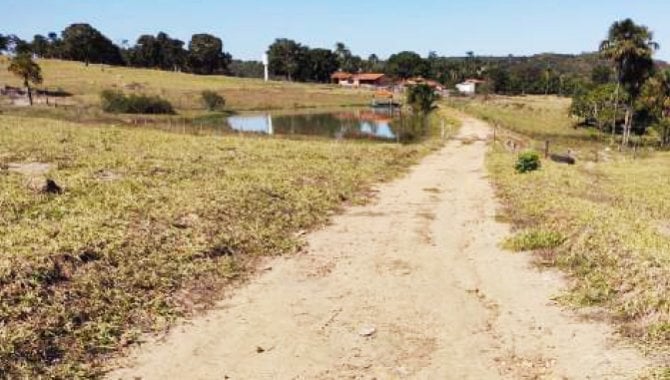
<point x="369" y="76"/>
<point x="341" y="75"/>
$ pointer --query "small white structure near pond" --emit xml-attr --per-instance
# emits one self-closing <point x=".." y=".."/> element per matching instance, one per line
<point x="469" y="86"/>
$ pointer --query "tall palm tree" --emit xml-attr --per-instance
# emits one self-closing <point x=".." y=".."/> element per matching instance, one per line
<point x="630" y="47"/>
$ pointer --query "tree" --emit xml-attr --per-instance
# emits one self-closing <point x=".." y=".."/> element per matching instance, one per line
<point x="346" y="60"/>
<point x="246" y="69"/>
<point x="173" y="56"/>
<point x="144" y="53"/>
<point x="601" y="74"/>
<point x="406" y="64"/>
<point x="160" y="52"/>
<point x="40" y="46"/>
<point x="286" y="56"/>
<point x="82" y="42"/>
<point x="55" y="46"/>
<point x="655" y="97"/>
<point x="15" y="45"/>
<point x="206" y="56"/>
<point x="319" y="65"/>
<point x="422" y="98"/>
<point x="25" y="68"/>
<point x="596" y="106"/>
<point x="548" y="73"/>
<point x="3" y="43"/>
<point x="373" y="64"/>
<point x="630" y="47"/>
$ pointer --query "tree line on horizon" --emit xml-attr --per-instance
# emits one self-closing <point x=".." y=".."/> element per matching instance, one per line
<point x="204" y="53"/>
<point x="290" y="60"/>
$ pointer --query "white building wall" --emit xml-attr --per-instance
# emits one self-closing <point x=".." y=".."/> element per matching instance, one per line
<point x="467" y="88"/>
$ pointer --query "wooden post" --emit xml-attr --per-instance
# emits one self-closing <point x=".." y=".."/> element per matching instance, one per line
<point x="546" y="149"/>
<point x="595" y="153"/>
<point x="494" y="133"/>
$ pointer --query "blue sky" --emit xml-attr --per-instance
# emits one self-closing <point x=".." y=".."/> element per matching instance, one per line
<point x="449" y="27"/>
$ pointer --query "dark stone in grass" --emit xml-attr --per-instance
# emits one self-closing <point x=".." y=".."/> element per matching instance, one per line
<point x="51" y="187"/>
<point x="219" y="251"/>
<point x="88" y="256"/>
<point x="563" y="159"/>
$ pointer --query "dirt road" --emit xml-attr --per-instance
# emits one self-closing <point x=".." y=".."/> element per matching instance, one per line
<point x="412" y="286"/>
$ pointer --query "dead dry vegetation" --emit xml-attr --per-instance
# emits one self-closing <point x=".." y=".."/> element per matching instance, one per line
<point x="604" y="222"/>
<point x="149" y="226"/>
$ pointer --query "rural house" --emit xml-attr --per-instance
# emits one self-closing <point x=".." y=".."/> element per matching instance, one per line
<point x="359" y="80"/>
<point x="469" y="86"/>
<point x="342" y="78"/>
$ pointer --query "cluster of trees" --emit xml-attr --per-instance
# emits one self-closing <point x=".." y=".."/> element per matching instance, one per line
<point x="558" y="74"/>
<point x="297" y="62"/>
<point x="635" y="95"/>
<point x="205" y="54"/>
<point x="82" y="42"/>
<point x="294" y="61"/>
<point x="78" y="42"/>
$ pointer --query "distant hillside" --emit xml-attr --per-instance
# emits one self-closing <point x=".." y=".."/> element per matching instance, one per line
<point x="546" y="73"/>
<point x="578" y="64"/>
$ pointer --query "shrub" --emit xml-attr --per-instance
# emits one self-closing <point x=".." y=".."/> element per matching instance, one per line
<point x="533" y="240"/>
<point x="118" y="102"/>
<point x="213" y="101"/>
<point x="422" y="98"/>
<point x="527" y="162"/>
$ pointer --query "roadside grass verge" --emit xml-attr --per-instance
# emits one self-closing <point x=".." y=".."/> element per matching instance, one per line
<point x="150" y="227"/>
<point x="536" y="119"/>
<point x="606" y="223"/>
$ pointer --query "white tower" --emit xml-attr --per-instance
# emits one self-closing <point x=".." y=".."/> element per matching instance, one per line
<point x="266" y="64"/>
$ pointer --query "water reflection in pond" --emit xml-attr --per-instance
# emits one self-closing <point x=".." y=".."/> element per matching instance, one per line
<point x="369" y="123"/>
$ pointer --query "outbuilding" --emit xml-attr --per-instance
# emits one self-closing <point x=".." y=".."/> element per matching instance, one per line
<point x="469" y="86"/>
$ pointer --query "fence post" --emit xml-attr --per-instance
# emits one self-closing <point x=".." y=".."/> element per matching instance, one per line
<point x="546" y="149"/>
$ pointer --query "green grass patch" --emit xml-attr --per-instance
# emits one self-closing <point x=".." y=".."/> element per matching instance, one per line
<point x="533" y="240"/>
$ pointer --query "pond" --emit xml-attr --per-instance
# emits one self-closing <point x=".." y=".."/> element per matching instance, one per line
<point x="375" y="124"/>
<point x="378" y="124"/>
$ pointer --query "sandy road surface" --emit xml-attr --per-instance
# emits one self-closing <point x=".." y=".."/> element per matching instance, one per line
<point x="412" y="286"/>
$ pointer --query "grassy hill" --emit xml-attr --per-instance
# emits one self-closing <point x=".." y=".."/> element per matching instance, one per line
<point x="183" y="90"/>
